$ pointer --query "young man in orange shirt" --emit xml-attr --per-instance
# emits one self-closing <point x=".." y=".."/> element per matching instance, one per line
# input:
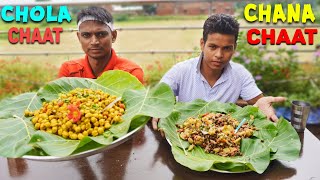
<point x="96" y="35"/>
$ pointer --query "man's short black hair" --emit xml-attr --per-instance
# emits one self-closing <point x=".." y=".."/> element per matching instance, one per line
<point x="221" y="23"/>
<point x="99" y="13"/>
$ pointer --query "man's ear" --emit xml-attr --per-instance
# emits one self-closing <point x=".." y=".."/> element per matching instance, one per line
<point x="202" y="43"/>
<point x="114" y="36"/>
<point x="234" y="49"/>
<point x="78" y="35"/>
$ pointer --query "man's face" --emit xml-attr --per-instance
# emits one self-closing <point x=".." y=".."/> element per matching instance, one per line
<point x="217" y="50"/>
<point x="96" y="39"/>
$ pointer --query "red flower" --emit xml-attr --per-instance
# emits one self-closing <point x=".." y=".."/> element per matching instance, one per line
<point x="74" y="113"/>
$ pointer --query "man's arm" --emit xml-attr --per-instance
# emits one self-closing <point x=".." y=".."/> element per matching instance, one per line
<point x="254" y="100"/>
<point x="63" y="71"/>
<point x="138" y="73"/>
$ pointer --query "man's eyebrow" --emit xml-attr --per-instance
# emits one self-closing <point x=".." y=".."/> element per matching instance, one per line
<point x="213" y="44"/>
<point x="102" y="32"/>
<point x="94" y="32"/>
<point x="231" y="45"/>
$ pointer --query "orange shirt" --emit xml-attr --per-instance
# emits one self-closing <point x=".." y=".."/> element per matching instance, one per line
<point x="82" y="68"/>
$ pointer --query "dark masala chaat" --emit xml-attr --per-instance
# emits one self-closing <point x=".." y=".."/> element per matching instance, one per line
<point x="215" y="132"/>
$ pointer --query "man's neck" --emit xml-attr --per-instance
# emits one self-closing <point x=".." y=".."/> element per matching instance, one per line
<point x="210" y="75"/>
<point x="98" y="65"/>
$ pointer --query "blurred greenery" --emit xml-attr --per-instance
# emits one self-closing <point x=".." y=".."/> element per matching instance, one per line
<point x="19" y="76"/>
<point x="279" y="73"/>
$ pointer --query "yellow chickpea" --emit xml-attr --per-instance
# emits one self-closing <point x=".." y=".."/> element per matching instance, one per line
<point x="34" y="120"/>
<point x="96" y="124"/>
<point x="73" y="136"/>
<point x="88" y="115"/>
<point x="54" y="122"/>
<point x="90" y="131"/>
<point x="54" y="129"/>
<point x="93" y="119"/>
<point x="95" y="133"/>
<point x="37" y="126"/>
<point x="49" y="131"/>
<point x="111" y="110"/>
<point x="101" y="122"/>
<point x="68" y="124"/>
<point x="60" y="132"/>
<point x="85" y="133"/>
<point x="47" y="124"/>
<point x="42" y="127"/>
<point x="83" y="126"/>
<point x="80" y="136"/>
<point x="64" y="127"/>
<point x="107" y="125"/>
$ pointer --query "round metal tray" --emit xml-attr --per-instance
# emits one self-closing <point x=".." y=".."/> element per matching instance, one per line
<point x="85" y="153"/>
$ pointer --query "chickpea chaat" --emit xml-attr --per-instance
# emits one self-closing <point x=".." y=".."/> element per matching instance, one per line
<point x="78" y="113"/>
<point x="215" y="132"/>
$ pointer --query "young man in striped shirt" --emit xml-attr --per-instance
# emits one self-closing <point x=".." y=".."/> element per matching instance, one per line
<point x="212" y="75"/>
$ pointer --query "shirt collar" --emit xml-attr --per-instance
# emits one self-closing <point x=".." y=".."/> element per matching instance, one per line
<point x="112" y="62"/>
<point x="199" y="63"/>
<point x="225" y="74"/>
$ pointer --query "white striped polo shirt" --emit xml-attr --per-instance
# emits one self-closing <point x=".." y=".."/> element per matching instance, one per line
<point x="188" y="84"/>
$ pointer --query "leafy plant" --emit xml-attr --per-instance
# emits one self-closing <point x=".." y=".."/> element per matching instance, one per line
<point x="18" y="136"/>
<point x="18" y="76"/>
<point x="271" y="141"/>
<point x="279" y="73"/>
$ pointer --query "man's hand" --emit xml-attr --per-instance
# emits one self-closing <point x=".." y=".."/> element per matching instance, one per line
<point x="154" y="122"/>
<point x="265" y="105"/>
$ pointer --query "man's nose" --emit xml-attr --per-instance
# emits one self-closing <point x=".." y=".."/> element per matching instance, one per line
<point x="94" y="40"/>
<point x="219" y="53"/>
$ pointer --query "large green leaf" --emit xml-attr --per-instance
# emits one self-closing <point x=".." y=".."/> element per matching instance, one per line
<point x="15" y="129"/>
<point x="113" y="82"/>
<point x="51" y="90"/>
<point x="286" y="142"/>
<point x="8" y="107"/>
<point x="19" y="137"/>
<point x="147" y="102"/>
<point x="198" y="106"/>
<point x="271" y="141"/>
